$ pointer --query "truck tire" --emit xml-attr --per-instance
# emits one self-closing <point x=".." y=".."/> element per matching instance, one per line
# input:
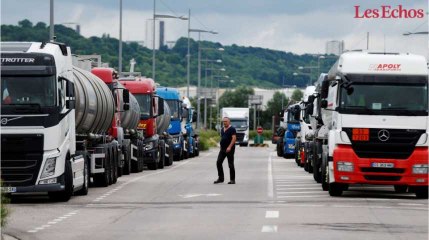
<point x="421" y="192"/>
<point x="65" y="195"/>
<point x="127" y="157"/>
<point x="84" y="190"/>
<point x="400" y="188"/>
<point x="279" y="148"/>
<point x="325" y="174"/>
<point x="335" y="189"/>
<point x="317" y="175"/>
<point x="170" y="154"/>
<point x="140" y="162"/>
<point x="115" y="163"/>
<point x="197" y="149"/>
<point x="161" y="153"/>
<point x="154" y="165"/>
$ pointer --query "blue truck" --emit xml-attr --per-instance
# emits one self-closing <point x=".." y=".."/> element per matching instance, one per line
<point x="291" y="117"/>
<point x="191" y="140"/>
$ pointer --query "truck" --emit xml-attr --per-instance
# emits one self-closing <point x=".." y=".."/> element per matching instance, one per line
<point x="191" y="139"/>
<point x="172" y="98"/>
<point x="304" y="149"/>
<point x="376" y="116"/>
<point x="286" y="147"/>
<point x="240" y="121"/>
<point x="151" y="108"/>
<point x="56" y="123"/>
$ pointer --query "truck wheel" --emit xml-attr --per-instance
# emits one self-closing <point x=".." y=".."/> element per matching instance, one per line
<point x="161" y="153"/>
<point x="65" y="195"/>
<point x="127" y="158"/>
<point x="197" y="149"/>
<point x="317" y="175"/>
<point x="335" y="189"/>
<point x="140" y="162"/>
<point x="170" y="155"/>
<point x="154" y="165"/>
<point x="279" y="149"/>
<point x="103" y="179"/>
<point x="115" y="161"/>
<point x="421" y="192"/>
<point x="400" y="188"/>
<point x="84" y="190"/>
<point x="325" y="175"/>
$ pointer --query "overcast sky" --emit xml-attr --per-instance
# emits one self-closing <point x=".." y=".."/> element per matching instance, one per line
<point x="299" y="26"/>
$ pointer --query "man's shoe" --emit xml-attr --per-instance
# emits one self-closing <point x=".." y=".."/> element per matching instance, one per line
<point x="231" y="182"/>
<point x="218" y="181"/>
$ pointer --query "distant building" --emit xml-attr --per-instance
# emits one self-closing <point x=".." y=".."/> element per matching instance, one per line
<point x="334" y="47"/>
<point x="159" y="34"/>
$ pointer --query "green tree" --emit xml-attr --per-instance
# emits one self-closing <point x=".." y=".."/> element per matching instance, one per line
<point x="297" y="95"/>
<point x="236" y="98"/>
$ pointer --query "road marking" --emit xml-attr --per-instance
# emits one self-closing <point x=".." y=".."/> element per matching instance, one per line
<point x="272" y="214"/>
<point x="270" y="177"/>
<point x="411" y="204"/>
<point x="292" y="188"/>
<point x="299" y="192"/>
<point x="296" y="185"/>
<point x="269" y="228"/>
<point x="192" y="195"/>
<point x="302" y="196"/>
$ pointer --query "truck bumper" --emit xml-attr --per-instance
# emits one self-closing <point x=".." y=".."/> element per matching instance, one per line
<point x="400" y="171"/>
<point x="55" y="187"/>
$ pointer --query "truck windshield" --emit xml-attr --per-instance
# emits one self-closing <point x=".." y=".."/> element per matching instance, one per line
<point x="239" y="123"/>
<point x="404" y="96"/>
<point x="174" y="108"/>
<point x="28" y="90"/>
<point x="145" y="103"/>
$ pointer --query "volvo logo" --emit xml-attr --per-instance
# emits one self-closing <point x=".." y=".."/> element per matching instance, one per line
<point x="383" y="135"/>
<point x="4" y="121"/>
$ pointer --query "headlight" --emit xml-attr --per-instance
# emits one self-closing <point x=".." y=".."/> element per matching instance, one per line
<point x="49" y="168"/>
<point x="245" y="138"/>
<point x="176" y="140"/>
<point x="420" y="169"/>
<point x="149" y="146"/>
<point x="345" y="167"/>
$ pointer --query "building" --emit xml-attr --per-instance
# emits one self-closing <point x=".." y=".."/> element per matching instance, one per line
<point x="334" y="47"/>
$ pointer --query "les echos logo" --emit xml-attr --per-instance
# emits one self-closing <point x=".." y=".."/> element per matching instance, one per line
<point x="389" y="12"/>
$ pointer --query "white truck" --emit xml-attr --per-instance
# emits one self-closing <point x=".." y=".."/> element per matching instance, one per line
<point x="240" y="121"/>
<point x="58" y="123"/>
<point x="376" y="117"/>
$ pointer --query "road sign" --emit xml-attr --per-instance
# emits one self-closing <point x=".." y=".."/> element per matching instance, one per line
<point x="259" y="130"/>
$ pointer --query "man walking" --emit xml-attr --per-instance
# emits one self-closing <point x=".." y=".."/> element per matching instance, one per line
<point x="227" y="149"/>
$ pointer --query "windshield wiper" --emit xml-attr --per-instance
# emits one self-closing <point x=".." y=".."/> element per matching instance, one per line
<point x="24" y="107"/>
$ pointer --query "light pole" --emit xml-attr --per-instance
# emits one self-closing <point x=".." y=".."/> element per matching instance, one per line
<point x="205" y="95"/>
<point x="157" y="16"/>
<point x="199" y="31"/>
<point x="225" y="79"/>
<point x="51" y="21"/>
<point x="120" y="39"/>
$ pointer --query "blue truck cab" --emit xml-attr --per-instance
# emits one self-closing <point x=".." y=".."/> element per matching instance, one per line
<point x="191" y="144"/>
<point x="172" y="97"/>
<point x="292" y="128"/>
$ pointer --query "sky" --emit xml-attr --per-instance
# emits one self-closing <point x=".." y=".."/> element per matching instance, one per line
<point x="298" y="26"/>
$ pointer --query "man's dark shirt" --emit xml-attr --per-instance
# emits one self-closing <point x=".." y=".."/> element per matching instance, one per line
<point x="226" y="138"/>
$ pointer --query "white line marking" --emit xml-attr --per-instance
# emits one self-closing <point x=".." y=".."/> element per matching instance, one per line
<point x="39" y="228"/>
<point x="411" y="204"/>
<point x="289" y="188"/>
<point x="52" y="222"/>
<point x="296" y="185"/>
<point x="302" y="196"/>
<point x="46" y="226"/>
<point x="269" y="228"/>
<point x="298" y="192"/>
<point x="272" y="214"/>
<point x="270" y="178"/>
<point x="32" y="231"/>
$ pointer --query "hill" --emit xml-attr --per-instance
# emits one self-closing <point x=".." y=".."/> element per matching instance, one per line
<point x="250" y="66"/>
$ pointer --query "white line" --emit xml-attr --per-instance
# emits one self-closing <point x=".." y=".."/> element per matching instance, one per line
<point x="32" y="231"/>
<point x="298" y="192"/>
<point x="52" y="222"/>
<point x="296" y="185"/>
<point x="411" y="204"/>
<point x="272" y="214"/>
<point x="302" y="196"/>
<point x="46" y="226"/>
<point x="292" y="188"/>
<point x="269" y="228"/>
<point x="270" y="178"/>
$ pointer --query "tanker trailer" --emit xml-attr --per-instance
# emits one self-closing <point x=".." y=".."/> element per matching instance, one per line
<point x="162" y="125"/>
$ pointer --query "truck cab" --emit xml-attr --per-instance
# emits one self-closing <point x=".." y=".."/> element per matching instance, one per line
<point x="240" y="121"/>
<point x="291" y="144"/>
<point x="377" y="115"/>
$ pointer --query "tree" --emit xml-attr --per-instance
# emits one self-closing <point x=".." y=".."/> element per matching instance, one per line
<point x="274" y="105"/>
<point x="297" y="95"/>
<point x="25" y="23"/>
<point x="236" y="98"/>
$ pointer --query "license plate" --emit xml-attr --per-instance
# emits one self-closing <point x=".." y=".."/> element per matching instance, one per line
<point x="383" y="165"/>
<point x="8" y="189"/>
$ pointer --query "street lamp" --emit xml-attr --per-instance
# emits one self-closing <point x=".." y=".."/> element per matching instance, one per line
<point x="211" y="87"/>
<point x="220" y="78"/>
<point x="199" y="31"/>
<point x="157" y="16"/>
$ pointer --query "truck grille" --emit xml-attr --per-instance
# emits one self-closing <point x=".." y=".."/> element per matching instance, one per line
<point x="21" y="158"/>
<point x="240" y="137"/>
<point x="399" y="145"/>
<point x="382" y="170"/>
<point x="382" y="178"/>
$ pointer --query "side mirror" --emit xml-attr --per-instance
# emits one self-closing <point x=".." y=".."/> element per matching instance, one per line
<point x="126" y="96"/>
<point x="194" y="116"/>
<point x="324" y="103"/>
<point x="185" y="113"/>
<point x="69" y="88"/>
<point x="126" y="106"/>
<point x="325" y="89"/>
<point x="70" y="104"/>
<point x="160" y="106"/>
<point x="311" y="98"/>
<point x="309" y="109"/>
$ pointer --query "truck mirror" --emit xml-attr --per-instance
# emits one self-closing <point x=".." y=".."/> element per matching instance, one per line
<point x="324" y="90"/>
<point x="185" y="113"/>
<point x="324" y="103"/>
<point x="160" y="106"/>
<point x="70" y="104"/>
<point x="126" y="96"/>
<point x="69" y="88"/>
<point x="126" y="106"/>
<point x="194" y="116"/>
<point x="311" y="98"/>
<point x="281" y="113"/>
<point x="309" y="109"/>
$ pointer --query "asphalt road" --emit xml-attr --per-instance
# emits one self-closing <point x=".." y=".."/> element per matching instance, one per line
<point x="273" y="199"/>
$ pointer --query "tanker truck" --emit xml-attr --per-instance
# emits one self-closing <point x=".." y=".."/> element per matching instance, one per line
<point x="151" y="109"/>
<point x="55" y="123"/>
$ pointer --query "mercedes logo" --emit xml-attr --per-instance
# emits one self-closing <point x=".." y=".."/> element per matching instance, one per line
<point x="383" y="135"/>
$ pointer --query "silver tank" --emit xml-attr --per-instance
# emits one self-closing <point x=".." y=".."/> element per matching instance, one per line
<point x="95" y="105"/>
<point x="163" y="121"/>
<point x="130" y="119"/>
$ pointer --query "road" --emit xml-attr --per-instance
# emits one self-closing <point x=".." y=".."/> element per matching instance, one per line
<point x="273" y="199"/>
